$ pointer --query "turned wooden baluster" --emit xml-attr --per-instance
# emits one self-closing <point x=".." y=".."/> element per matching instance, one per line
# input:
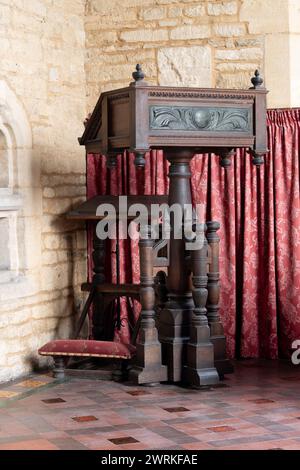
<point x="98" y="256"/>
<point x="199" y="369"/>
<point x="217" y="336"/>
<point x="161" y="294"/>
<point x="148" y="368"/>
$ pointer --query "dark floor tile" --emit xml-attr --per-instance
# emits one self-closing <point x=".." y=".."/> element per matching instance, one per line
<point x="176" y="409"/>
<point x="84" y="419"/>
<point x="221" y="429"/>
<point x="53" y="400"/>
<point x="136" y="393"/>
<point x="123" y="440"/>
<point x="262" y="401"/>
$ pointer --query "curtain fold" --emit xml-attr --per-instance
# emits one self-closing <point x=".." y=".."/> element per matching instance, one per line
<point x="259" y="213"/>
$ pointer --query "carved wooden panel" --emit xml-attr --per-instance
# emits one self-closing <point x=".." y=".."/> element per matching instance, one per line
<point x="193" y="118"/>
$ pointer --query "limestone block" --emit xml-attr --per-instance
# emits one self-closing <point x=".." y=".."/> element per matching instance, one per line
<point x="267" y="16"/>
<point x="153" y="13"/>
<point x="48" y="192"/>
<point x="191" y="32"/>
<point x="60" y="224"/>
<point x="70" y="191"/>
<point x="222" y="8"/>
<point x="63" y="179"/>
<point x="236" y="67"/>
<point x="233" y="80"/>
<point x="57" y="309"/>
<point x="185" y="66"/>
<point x="51" y="242"/>
<point x="49" y="257"/>
<point x="251" y="53"/>
<point x="174" y="11"/>
<point x="64" y="256"/>
<point x="113" y="5"/>
<point x="229" y="29"/>
<point x="56" y="277"/>
<point x="105" y="19"/>
<point x="94" y="40"/>
<point x="19" y="332"/>
<point x="257" y="41"/>
<point x="166" y="2"/>
<point x="66" y="242"/>
<point x="56" y="206"/>
<point x="81" y="240"/>
<point x="195" y="10"/>
<point x="168" y="22"/>
<point x="141" y="35"/>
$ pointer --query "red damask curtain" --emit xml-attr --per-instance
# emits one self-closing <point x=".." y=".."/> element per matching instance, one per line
<point x="259" y="213"/>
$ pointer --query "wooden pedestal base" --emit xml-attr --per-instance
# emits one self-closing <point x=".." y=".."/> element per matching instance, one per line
<point x="174" y="335"/>
<point x="200" y="359"/>
<point x="218" y="339"/>
<point x="148" y="366"/>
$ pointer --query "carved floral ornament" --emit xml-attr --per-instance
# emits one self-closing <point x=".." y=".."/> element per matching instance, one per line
<point x="196" y="118"/>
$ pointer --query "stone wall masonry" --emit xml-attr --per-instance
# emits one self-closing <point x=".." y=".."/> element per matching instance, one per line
<point x="241" y="35"/>
<point x="42" y="61"/>
<point x="196" y="43"/>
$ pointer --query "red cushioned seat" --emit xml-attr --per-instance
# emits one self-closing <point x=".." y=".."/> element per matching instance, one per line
<point x="87" y="348"/>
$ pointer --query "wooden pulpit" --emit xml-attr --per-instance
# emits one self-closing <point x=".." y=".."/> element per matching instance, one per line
<point x="182" y="122"/>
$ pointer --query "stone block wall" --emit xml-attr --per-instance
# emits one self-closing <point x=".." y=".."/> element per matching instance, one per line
<point x="42" y="62"/>
<point x="194" y="42"/>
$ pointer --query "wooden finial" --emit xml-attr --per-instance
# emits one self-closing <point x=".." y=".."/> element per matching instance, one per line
<point x="256" y="81"/>
<point x="138" y="74"/>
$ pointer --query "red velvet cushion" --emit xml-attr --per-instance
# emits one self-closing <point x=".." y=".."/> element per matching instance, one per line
<point x="83" y="347"/>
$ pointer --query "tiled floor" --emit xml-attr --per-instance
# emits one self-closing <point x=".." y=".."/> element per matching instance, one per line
<point x="257" y="407"/>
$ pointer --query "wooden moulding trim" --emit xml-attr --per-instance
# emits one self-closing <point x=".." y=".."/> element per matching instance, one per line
<point x="83" y="355"/>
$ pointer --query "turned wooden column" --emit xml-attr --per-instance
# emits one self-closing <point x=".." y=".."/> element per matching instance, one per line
<point x="199" y="369"/>
<point x="217" y="336"/>
<point x="174" y="318"/>
<point x="148" y="368"/>
<point x="98" y="256"/>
